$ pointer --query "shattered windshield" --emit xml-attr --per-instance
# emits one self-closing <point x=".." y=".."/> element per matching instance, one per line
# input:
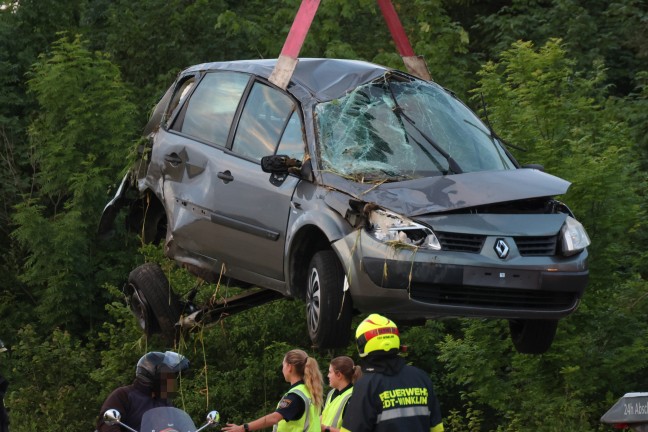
<point x="396" y="129"/>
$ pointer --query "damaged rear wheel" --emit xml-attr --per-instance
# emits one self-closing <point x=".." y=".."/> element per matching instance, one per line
<point x="328" y="307"/>
<point x="154" y="304"/>
<point x="532" y="336"/>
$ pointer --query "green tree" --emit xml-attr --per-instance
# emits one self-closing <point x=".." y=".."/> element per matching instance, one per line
<point x="79" y="142"/>
<point x="610" y="32"/>
<point x="151" y="41"/>
<point x="26" y="29"/>
<point x="50" y="390"/>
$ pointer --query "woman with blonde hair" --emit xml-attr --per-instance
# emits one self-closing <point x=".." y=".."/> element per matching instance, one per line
<point x="299" y="409"/>
<point x="342" y="375"/>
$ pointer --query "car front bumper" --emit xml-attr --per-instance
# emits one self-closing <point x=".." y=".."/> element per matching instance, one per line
<point x="415" y="283"/>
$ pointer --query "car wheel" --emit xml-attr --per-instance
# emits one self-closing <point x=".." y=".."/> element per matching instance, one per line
<point x="328" y="307"/>
<point x="154" y="304"/>
<point x="142" y="312"/>
<point x="532" y="336"/>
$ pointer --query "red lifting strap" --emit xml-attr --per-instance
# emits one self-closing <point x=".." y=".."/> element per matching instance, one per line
<point x="396" y="28"/>
<point x="299" y="28"/>
<point x="287" y="61"/>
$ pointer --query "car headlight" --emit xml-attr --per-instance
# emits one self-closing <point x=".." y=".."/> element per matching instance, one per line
<point x="389" y="227"/>
<point x="574" y="237"/>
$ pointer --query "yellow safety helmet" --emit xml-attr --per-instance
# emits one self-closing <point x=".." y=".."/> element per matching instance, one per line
<point x="377" y="333"/>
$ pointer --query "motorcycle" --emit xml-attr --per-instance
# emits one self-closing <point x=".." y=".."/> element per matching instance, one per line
<point x="163" y="419"/>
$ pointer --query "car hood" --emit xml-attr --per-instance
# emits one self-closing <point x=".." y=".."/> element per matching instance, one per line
<point x="452" y="192"/>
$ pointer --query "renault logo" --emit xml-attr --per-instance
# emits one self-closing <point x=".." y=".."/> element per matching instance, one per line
<point x="501" y="248"/>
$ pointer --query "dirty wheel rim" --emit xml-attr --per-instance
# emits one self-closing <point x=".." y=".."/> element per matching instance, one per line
<point x="313" y="303"/>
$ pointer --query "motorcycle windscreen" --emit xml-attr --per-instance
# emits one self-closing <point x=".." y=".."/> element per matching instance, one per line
<point x="167" y="419"/>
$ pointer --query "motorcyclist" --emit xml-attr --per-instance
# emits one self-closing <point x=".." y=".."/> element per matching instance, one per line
<point x="4" y="417"/>
<point x="154" y="386"/>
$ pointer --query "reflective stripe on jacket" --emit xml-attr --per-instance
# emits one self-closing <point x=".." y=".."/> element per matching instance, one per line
<point x="392" y="396"/>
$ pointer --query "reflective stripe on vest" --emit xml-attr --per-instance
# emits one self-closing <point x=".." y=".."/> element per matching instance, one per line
<point x="304" y="423"/>
<point x="411" y="411"/>
<point x="332" y="415"/>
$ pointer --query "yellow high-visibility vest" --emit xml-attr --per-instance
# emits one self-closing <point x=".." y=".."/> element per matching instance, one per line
<point x="332" y="414"/>
<point x="309" y="421"/>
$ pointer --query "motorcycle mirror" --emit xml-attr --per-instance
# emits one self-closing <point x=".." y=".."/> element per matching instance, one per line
<point x="113" y="417"/>
<point x="212" y="420"/>
<point x="213" y="417"/>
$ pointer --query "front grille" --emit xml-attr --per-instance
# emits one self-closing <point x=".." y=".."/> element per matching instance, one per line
<point x="456" y="242"/>
<point x="492" y="297"/>
<point x="537" y="246"/>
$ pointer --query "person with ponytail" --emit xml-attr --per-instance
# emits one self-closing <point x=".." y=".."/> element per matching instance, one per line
<point x="342" y="375"/>
<point x="299" y="409"/>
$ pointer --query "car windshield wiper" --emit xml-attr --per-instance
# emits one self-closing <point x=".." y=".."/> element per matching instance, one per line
<point x="388" y="177"/>
<point x="394" y="176"/>
<point x="493" y="134"/>
<point x="453" y="166"/>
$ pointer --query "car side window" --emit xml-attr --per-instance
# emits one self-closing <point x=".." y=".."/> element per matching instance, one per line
<point x="262" y="123"/>
<point x="209" y="112"/>
<point x="292" y="140"/>
<point x="179" y="97"/>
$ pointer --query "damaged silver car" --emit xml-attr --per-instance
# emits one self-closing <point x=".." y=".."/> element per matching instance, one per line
<point x="358" y="189"/>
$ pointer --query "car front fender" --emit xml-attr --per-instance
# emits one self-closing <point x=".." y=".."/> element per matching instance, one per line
<point x="111" y="209"/>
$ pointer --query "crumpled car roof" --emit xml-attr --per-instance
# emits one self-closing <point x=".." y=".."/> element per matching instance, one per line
<point x="324" y="79"/>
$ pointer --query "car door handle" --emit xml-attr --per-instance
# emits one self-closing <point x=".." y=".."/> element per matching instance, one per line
<point x="173" y="159"/>
<point x="226" y="176"/>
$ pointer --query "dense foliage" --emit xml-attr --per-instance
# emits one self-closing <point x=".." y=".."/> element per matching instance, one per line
<point x="563" y="81"/>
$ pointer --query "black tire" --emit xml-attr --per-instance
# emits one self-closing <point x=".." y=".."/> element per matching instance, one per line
<point x="328" y="308"/>
<point x="142" y="312"/>
<point x="153" y="302"/>
<point x="532" y="336"/>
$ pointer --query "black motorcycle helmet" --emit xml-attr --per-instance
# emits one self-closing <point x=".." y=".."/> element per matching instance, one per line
<point x="151" y="365"/>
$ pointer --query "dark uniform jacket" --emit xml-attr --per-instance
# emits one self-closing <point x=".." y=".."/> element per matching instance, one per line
<point x="4" y="418"/>
<point x="132" y="401"/>
<point x="392" y="396"/>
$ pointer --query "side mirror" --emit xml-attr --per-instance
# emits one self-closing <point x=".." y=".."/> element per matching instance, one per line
<point x="279" y="164"/>
<point x="212" y="420"/>
<point x="113" y="417"/>
<point x="213" y="417"/>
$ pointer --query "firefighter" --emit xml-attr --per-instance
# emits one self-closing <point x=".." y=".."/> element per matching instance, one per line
<point x="299" y="409"/>
<point x="390" y="395"/>
<point x="342" y="375"/>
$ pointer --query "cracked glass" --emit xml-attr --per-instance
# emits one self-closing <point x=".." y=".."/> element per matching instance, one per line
<point x="397" y="128"/>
